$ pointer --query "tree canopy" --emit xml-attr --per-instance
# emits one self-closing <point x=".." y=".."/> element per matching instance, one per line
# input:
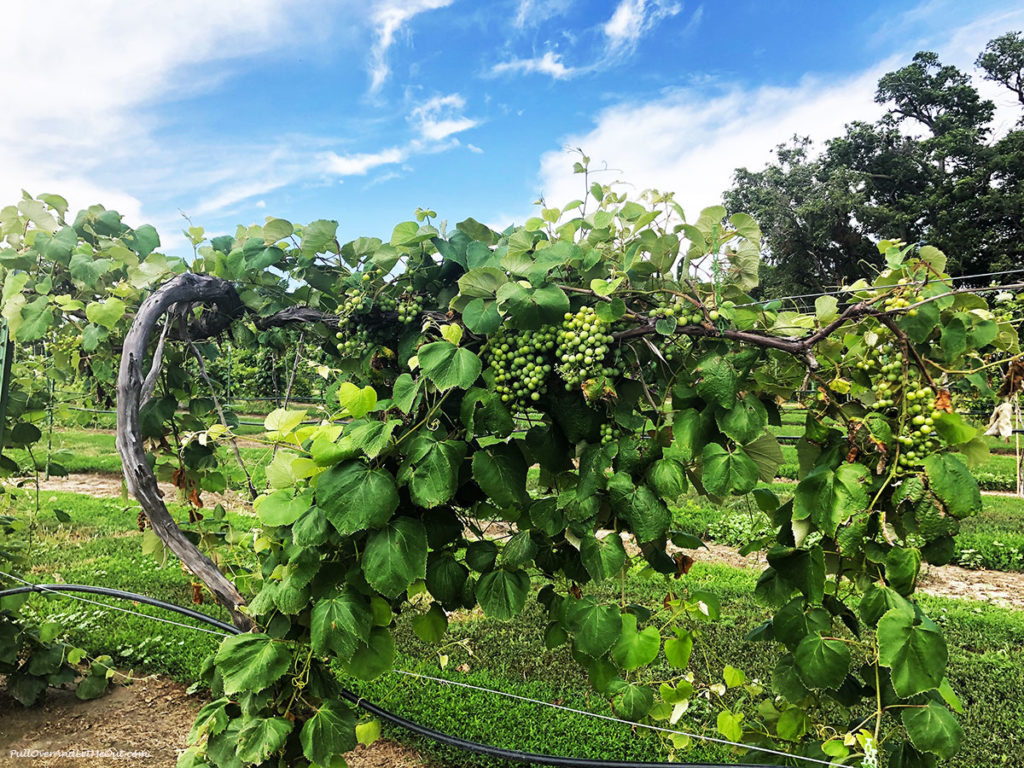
<point x="934" y="169"/>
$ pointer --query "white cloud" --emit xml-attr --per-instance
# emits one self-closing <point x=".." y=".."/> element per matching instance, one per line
<point x="76" y="120"/>
<point x="388" y="18"/>
<point x="361" y="163"/>
<point x="474" y="149"/>
<point x="690" y="143"/>
<point x="441" y="117"/>
<point x="548" y="64"/>
<point x="632" y="19"/>
<point x="531" y="13"/>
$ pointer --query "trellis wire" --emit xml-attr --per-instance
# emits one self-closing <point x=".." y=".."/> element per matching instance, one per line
<point x="612" y="719"/>
<point x="359" y="701"/>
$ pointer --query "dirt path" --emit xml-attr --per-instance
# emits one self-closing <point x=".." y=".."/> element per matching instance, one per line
<point x="106" y="485"/>
<point x="146" y="723"/>
<point x="1005" y="588"/>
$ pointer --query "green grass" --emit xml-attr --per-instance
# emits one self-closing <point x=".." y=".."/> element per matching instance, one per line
<point x="101" y="546"/>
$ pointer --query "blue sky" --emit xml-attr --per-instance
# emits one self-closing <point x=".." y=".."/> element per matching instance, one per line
<point x="361" y="112"/>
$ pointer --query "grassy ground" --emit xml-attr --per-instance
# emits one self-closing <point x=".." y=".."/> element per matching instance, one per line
<point x="101" y="546"/>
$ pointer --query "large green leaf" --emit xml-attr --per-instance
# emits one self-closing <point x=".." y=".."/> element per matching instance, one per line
<point x="395" y="556"/>
<point x="502" y="594"/>
<point x="357" y="401"/>
<point x="633" y="702"/>
<point x="106" y="313"/>
<point x="36" y="319"/>
<point x="532" y="308"/>
<point x="667" y="477"/>
<point x="829" y="498"/>
<point x="433" y="473"/>
<point x="932" y="728"/>
<point x="901" y="568"/>
<point x="482" y="283"/>
<point x="251" y="662"/>
<point x="329" y="733"/>
<point x="920" y="326"/>
<point x="355" y="497"/>
<point x="954" y="484"/>
<point x="725" y="472"/>
<point x="718" y="381"/>
<point x="500" y="471"/>
<point x="481" y="316"/>
<point x="744" y="421"/>
<point x="912" y="646"/>
<point x="339" y="624"/>
<point x="822" y="663"/>
<point x="283" y="507"/>
<point x="446" y="578"/>
<point x="596" y="628"/>
<point x="449" y="366"/>
<point x="802" y="569"/>
<point x="375" y="657"/>
<point x="638" y="505"/>
<point x="89" y="270"/>
<point x="766" y="453"/>
<point x="261" y="737"/>
<point x="635" y="649"/>
<point x="430" y="626"/>
<point x="603" y="558"/>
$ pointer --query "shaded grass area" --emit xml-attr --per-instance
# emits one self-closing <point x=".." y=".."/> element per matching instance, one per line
<point x="100" y="546"/>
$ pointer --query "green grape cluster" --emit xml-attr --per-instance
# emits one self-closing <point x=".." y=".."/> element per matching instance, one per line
<point x="584" y="347"/>
<point x="904" y="298"/>
<point x="685" y="311"/>
<point x="885" y="365"/>
<point x="386" y="303"/>
<point x="918" y="438"/>
<point x="356" y="302"/>
<point x="409" y="308"/>
<point x="370" y="274"/>
<point x="521" y="362"/>
<point x="353" y="339"/>
<point x="609" y="433"/>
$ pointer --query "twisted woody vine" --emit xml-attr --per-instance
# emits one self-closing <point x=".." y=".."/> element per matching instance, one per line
<point x="612" y="352"/>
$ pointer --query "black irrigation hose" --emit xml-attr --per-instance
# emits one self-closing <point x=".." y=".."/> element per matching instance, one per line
<point x="373" y="709"/>
<point x="131" y="596"/>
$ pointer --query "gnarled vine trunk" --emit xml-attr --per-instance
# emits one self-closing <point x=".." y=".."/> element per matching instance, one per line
<point x="174" y="297"/>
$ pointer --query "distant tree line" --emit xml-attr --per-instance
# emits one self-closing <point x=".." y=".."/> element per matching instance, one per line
<point x="935" y="168"/>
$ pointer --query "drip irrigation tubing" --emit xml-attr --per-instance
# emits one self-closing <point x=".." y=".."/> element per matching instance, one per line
<point x="377" y="711"/>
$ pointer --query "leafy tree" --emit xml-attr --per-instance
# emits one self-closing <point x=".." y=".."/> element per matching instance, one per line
<point x="1003" y="62"/>
<point x="950" y="186"/>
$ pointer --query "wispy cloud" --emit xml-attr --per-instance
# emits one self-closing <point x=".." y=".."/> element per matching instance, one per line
<point x="531" y="13"/>
<point x="441" y="117"/>
<point x="388" y="18"/>
<point x="548" y="64"/>
<point x="436" y="121"/>
<point x="360" y="163"/>
<point x="632" y="19"/>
